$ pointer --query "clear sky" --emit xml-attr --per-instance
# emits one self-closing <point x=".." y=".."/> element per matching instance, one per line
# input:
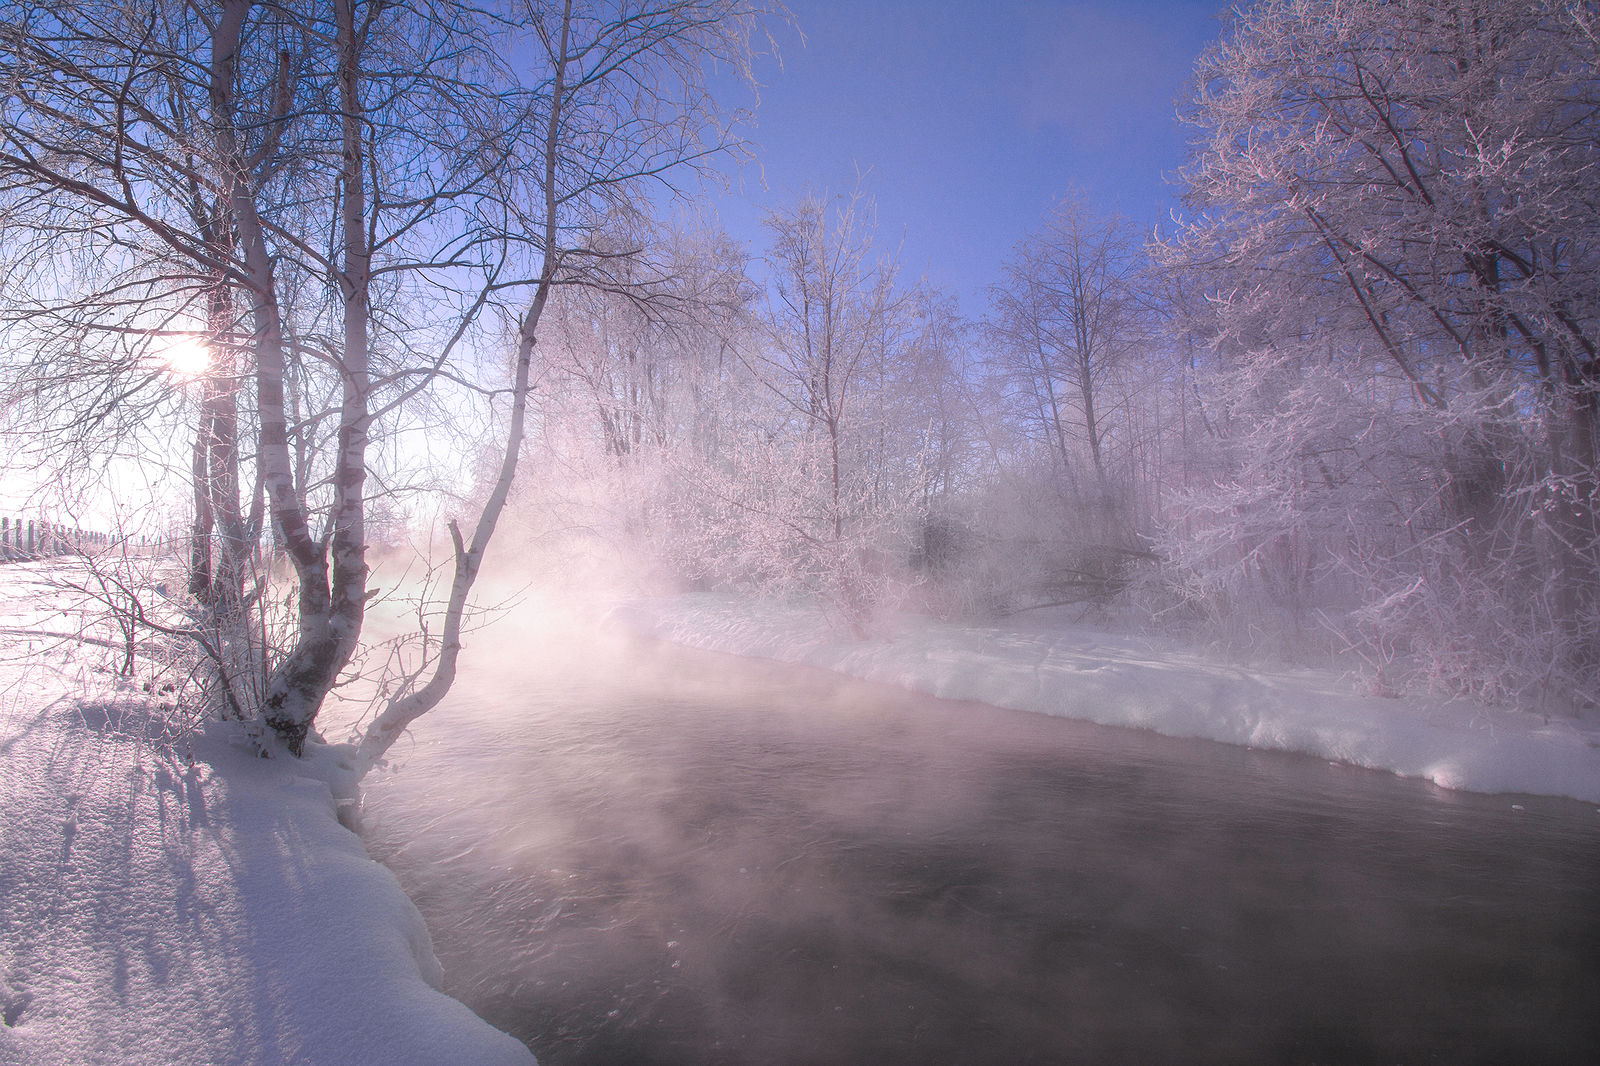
<point x="970" y="117"/>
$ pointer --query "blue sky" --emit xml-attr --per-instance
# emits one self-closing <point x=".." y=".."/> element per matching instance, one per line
<point x="969" y="118"/>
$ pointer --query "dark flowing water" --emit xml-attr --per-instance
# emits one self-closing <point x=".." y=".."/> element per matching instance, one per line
<point x="649" y="855"/>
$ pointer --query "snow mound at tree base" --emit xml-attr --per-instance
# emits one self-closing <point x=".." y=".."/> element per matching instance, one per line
<point x="1053" y="666"/>
<point x="199" y="905"/>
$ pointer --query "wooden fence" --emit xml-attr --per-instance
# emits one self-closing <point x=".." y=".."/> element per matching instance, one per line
<point x="39" y="539"/>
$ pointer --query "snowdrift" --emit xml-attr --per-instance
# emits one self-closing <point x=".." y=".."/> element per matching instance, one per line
<point x="163" y="906"/>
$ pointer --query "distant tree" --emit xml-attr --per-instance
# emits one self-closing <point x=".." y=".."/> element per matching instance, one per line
<point x="815" y="483"/>
<point x="639" y="394"/>
<point x="1068" y="321"/>
<point x="933" y="396"/>
<point x="831" y="314"/>
<point x="638" y="355"/>
<point x="1071" y="349"/>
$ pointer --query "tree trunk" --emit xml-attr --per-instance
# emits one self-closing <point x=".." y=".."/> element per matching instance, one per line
<point x="413" y="703"/>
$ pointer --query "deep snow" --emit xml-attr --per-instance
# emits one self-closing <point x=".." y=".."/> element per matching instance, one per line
<point x="1049" y="663"/>
<point x="190" y="903"/>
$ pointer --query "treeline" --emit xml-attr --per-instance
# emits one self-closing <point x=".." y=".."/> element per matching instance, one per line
<point x="1347" y="405"/>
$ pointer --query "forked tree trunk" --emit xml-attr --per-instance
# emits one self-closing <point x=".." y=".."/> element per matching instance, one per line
<point x="329" y="613"/>
<point x="412" y="703"/>
<point x="333" y="592"/>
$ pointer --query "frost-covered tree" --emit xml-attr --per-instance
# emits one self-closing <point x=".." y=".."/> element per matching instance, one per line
<point x="638" y="362"/>
<point x="1073" y="356"/>
<point x="367" y="186"/>
<point x="816" y="481"/>
<point x="1405" y="195"/>
<point x="638" y="393"/>
<point x="1068" y="322"/>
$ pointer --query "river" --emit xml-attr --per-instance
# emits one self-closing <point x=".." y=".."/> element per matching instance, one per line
<point x="633" y="854"/>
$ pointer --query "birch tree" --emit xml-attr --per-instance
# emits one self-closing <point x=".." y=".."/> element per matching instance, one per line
<point x="625" y="107"/>
<point x="382" y="179"/>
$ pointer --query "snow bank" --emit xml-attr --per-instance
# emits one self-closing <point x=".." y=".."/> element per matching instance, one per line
<point x="1052" y="666"/>
<point x="196" y="906"/>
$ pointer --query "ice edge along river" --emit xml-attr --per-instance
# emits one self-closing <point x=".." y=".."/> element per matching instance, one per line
<point x="1051" y="665"/>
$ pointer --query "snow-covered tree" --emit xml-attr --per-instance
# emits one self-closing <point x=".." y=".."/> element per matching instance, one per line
<point x="345" y="194"/>
<point x="1405" y="194"/>
<point x="1074" y="357"/>
<point x="816" y="481"/>
<point x="1068" y="322"/>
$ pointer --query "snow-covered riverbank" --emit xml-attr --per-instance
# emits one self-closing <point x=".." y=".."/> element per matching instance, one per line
<point x="1044" y="662"/>
<point x="189" y="903"/>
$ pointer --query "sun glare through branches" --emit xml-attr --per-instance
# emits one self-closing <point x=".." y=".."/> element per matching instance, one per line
<point x="184" y="356"/>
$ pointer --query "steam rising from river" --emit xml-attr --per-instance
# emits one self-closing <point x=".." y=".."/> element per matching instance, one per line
<point x="631" y="853"/>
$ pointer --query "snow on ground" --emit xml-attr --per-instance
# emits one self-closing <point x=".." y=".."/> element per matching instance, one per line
<point x="189" y="903"/>
<point x="1049" y="664"/>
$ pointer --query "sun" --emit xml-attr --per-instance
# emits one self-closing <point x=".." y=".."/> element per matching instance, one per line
<point x="185" y="356"/>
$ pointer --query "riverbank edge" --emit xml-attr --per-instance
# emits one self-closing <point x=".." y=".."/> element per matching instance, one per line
<point x="1056" y="666"/>
<point x="346" y="967"/>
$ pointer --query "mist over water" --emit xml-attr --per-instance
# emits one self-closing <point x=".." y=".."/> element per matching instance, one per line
<point x="629" y="853"/>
